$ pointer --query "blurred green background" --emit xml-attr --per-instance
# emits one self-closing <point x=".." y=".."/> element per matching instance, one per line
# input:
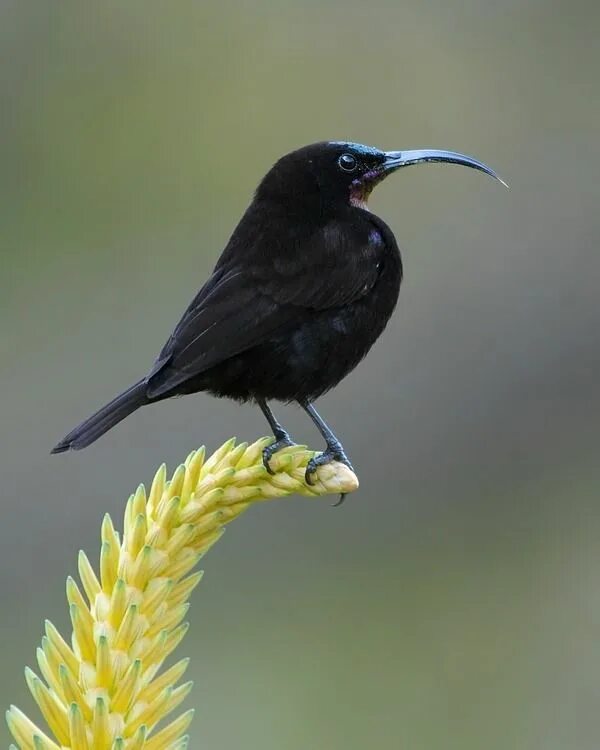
<point x="454" y="602"/>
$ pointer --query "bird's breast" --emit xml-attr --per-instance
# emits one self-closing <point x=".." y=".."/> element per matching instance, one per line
<point x="331" y="343"/>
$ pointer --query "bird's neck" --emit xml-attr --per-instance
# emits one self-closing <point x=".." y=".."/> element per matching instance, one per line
<point x="359" y="201"/>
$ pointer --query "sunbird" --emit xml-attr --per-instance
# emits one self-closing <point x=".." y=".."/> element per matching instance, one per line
<point x="301" y="292"/>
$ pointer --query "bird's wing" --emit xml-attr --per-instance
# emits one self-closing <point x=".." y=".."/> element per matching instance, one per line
<point x="239" y="308"/>
<point x="227" y="317"/>
<point x="337" y="269"/>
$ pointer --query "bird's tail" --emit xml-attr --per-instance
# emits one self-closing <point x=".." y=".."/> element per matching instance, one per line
<point x="100" y="422"/>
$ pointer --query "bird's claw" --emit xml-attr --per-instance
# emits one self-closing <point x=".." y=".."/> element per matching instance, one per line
<point x="280" y="442"/>
<point x="329" y="455"/>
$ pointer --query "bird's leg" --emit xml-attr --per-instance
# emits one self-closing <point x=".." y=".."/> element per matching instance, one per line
<point x="282" y="438"/>
<point x="333" y="452"/>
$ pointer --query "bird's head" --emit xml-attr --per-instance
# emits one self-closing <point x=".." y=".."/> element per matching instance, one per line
<point x="334" y="171"/>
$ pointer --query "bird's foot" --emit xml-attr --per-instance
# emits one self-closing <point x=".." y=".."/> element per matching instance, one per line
<point x="282" y="440"/>
<point x="332" y="453"/>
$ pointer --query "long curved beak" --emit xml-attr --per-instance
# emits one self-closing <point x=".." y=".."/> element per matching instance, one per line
<point x="396" y="159"/>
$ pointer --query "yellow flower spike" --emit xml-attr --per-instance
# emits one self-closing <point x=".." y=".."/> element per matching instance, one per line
<point x="287" y="456"/>
<point x="75" y="598"/>
<point x="145" y="566"/>
<point x="108" y="532"/>
<point x="101" y="739"/>
<point x="127" y="515"/>
<point x="109" y="690"/>
<point x="181" y="538"/>
<point x="72" y="692"/>
<point x="58" y="643"/>
<point x="52" y="657"/>
<point x="139" y="741"/>
<point x="269" y="492"/>
<point x="170" y="677"/>
<point x="156" y="593"/>
<point x="285" y="483"/>
<point x="109" y="565"/>
<point x="253" y="454"/>
<point x="233" y="495"/>
<point x="175" y="486"/>
<point x="216" y="457"/>
<point x="88" y="578"/>
<point x="48" y="673"/>
<point x="156" y="489"/>
<point x="52" y="709"/>
<point x="197" y="463"/>
<point x="204" y="502"/>
<point x="77" y="729"/>
<point x="137" y="538"/>
<point x="233" y="511"/>
<point x="157" y="537"/>
<point x="247" y="477"/>
<point x="139" y="502"/>
<point x="83" y="637"/>
<point x="104" y="671"/>
<point x="128" y="630"/>
<point x="168" y="736"/>
<point x="149" y="715"/>
<point x="127" y="689"/>
<point x="154" y="653"/>
<point x="197" y="513"/>
<point x="169" y="619"/>
<point x="183" y="563"/>
<point x="332" y="474"/>
<point x="220" y="478"/>
<point x="193" y="465"/>
<point x="162" y="705"/>
<point x="181" y="592"/>
<point x="210" y="524"/>
<point x="24" y="730"/>
<point x="176" y="697"/>
<point x="173" y="639"/>
<point x="206" y="540"/>
<point x="167" y="512"/>
<point x="231" y="459"/>
<point x="118" y="603"/>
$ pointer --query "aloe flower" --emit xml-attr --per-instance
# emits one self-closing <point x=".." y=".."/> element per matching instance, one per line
<point x="106" y="690"/>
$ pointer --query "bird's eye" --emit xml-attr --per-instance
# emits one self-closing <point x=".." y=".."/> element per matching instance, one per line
<point x="347" y="162"/>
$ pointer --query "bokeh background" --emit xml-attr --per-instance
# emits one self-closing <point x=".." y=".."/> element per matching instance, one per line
<point x="454" y="602"/>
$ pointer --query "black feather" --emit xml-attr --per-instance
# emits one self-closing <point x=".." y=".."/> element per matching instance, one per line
<point x="302" y="290"/>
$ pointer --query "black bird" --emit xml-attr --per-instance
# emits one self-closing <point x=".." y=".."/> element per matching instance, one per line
<point x="304" y="287"/>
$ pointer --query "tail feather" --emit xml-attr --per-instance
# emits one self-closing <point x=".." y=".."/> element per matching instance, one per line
<point x="100" y="422"/>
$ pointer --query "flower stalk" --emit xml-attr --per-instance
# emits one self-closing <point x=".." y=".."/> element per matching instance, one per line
<point x="106" y="690"/>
